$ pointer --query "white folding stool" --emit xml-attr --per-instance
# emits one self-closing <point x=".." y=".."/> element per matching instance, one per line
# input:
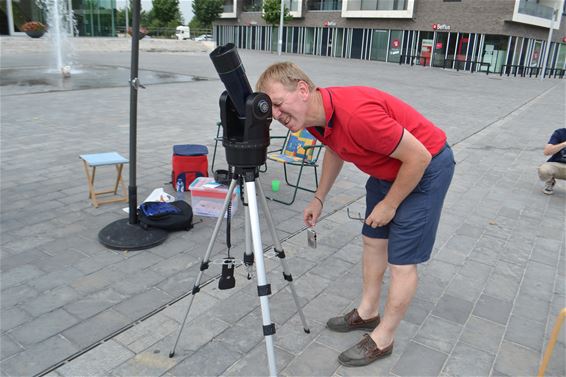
<point x="91" y="162"/>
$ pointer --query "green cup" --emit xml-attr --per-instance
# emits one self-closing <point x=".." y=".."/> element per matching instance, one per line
<point x="275" y="185"/>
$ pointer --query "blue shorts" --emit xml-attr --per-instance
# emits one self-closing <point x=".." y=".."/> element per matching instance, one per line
<point x="412" y="231"/>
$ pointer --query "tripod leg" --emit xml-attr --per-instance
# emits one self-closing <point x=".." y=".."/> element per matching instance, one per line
<point x="205" y="261"/>
<point x="263" y="288"/>
<point x="281" y="254"/>
<point x="248" y="254"/>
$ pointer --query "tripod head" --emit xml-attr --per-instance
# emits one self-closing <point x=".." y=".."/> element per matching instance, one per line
<point x="245" y="115"/>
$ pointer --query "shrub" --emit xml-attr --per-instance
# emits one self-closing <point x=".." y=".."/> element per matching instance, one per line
<point x="33" y="26"/>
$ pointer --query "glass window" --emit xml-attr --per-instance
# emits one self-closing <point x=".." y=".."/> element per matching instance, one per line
<point x="379" y="45"/>
<point x="252" y="5"/>
<point x="325" y="5"/>
<point x="494" y="52"/>
<point x="309" y="40"/>
<point x="228" y="6"/>
<point x="561" y="60"/>
<point x="337" y="43"/>
<point x="396" y="41"/>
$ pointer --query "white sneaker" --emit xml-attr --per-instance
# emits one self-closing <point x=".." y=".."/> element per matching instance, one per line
<point x="549" y="187"/>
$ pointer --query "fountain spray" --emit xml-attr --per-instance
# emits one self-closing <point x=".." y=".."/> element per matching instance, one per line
<point x="61" y="22"/>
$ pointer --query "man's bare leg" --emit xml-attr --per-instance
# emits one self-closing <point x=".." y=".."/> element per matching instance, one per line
<point x="402" y="288"/>
<point x="374" y="264"/>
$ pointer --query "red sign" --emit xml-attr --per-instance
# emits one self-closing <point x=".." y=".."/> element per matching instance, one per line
<point x="325" y="24"/>
<point x="438" y="45"/>
<point x="434" y="26"/>
<point x="564" y="39"/>
<point x="395" y="43"/>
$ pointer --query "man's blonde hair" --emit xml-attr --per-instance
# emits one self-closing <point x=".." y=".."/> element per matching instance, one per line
<point x="287" y="73"/>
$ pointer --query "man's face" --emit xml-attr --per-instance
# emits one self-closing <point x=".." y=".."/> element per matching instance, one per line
<point x="289" y="106"/>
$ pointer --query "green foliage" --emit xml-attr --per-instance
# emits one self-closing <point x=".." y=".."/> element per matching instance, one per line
<point x="207" y="11"/>
<point x="165" y="13"/>
<point x="121" y="16"/>
<point x="272" y="12"/>
<point x="195" y="24"/>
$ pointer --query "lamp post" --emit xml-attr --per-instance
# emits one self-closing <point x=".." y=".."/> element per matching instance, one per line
<point x="280" y="37"/>
<point x="547" y="49"/>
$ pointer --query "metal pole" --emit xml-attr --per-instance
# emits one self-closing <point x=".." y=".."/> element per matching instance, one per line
<point x="132" y="188"/>
<point x="280" y="37"/>
<point x="127" y="18"/>
<point x="547" y="49"/>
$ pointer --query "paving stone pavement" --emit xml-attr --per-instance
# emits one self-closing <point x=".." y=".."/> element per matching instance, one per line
<point x="486" y="301"/>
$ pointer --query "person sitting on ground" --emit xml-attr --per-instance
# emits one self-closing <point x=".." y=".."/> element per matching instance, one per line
<point x="555" y="167"/>
<point x="410" y="167"/>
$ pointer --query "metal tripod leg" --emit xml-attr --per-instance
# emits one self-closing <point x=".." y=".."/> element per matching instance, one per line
<point x="264" y="289"/>
<point x="281" y="254"/>
<point x="248" y="253"/>
<point x="205" y="261"/>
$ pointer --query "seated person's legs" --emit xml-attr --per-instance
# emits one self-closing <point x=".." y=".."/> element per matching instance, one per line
<point x="549" y="172"/>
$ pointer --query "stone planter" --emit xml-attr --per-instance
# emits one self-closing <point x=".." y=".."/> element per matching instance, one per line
<point x="35" y="33"/>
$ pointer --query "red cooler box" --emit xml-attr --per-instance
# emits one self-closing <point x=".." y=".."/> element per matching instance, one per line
<point x="207" y="197"/>
<point x="189" y="162"/>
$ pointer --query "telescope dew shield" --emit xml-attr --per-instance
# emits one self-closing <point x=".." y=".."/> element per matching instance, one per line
<point x="231" y="71"/>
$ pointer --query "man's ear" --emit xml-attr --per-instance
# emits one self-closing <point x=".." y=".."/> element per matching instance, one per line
<point x="303" y="89"/>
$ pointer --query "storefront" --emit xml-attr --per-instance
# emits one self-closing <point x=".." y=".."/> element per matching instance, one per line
<point x="438" y="48"/>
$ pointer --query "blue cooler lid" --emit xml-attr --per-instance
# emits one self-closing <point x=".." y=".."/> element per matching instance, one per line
<point x="190" y="150"/>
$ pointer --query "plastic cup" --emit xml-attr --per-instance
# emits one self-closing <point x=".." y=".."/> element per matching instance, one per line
<point x="275" y="185"/>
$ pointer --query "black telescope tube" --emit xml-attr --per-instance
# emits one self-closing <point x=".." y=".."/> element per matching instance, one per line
<point x="231" y="71"/>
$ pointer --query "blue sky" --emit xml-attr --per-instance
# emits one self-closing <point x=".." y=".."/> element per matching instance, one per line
<point x="185" y="6"/>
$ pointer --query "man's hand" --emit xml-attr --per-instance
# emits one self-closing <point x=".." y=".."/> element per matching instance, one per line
<point x="312" y="212"/>
<point x="381" y="215"/>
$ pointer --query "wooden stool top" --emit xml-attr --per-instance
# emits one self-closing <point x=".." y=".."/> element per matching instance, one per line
<point x="100" y="159"/>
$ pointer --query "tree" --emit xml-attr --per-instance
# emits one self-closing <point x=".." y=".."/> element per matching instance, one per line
<point x="165" y="13"/>
<point x="121" y="16"/>
<point x="272" y="12"/>
<point x="207" y="11"/>
<point x="195" y="24"/>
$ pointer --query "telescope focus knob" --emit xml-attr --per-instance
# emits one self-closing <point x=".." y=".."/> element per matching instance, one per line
<point x="263" y="106"/>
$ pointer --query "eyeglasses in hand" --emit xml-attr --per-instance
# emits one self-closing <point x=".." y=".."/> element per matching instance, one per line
<point x="358" y="217"/>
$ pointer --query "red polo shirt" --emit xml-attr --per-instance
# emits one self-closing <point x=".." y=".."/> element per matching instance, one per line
<point x="365" y="125"/>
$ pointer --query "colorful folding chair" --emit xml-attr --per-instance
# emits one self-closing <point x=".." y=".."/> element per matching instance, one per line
<point x="300" y="149"/>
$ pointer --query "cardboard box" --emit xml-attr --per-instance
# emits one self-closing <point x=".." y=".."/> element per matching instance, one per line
<point x="207" y="197"/>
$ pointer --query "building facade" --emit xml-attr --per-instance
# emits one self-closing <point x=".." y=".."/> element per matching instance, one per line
<point x="92" y="17"/>
<point x="478" y="35"/>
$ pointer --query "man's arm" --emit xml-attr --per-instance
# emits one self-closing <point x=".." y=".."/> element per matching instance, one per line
<point x="551" y="149"/>
<point x="331" y="166"/>
<point x="414" y="159"/>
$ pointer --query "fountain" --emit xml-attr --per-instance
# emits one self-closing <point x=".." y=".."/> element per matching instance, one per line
<point x="61" y="29"/>
<point x="62" y="25"/>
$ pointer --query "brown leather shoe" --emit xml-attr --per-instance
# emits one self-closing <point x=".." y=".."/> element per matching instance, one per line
<point x="363" y="353"/>
<point x="352" y="321"/>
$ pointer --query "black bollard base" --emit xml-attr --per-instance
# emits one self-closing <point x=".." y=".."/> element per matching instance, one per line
<point x="121" y="235"/>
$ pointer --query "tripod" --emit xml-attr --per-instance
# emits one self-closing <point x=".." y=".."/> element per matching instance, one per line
<point x="251" y="178"/>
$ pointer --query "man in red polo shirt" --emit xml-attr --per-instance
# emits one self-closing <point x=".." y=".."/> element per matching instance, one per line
<point x="410" y="168"/>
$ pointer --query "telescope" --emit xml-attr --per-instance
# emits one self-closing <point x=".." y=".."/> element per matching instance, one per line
<point x="245" y="115"/>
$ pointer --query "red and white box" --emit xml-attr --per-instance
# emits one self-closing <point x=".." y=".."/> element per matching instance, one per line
<point x="207" y="197"/>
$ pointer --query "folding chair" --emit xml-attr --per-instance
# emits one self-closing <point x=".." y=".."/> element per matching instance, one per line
<point x="298" y="150"/>
<point x="91" y="162"/>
